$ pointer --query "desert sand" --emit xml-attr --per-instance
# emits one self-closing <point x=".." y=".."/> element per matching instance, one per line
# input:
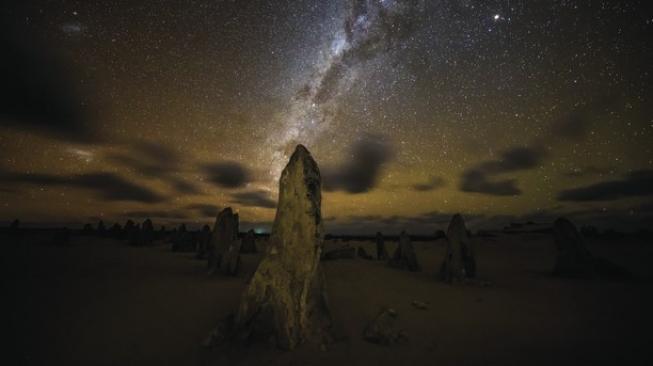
<point x="102" y="302"/>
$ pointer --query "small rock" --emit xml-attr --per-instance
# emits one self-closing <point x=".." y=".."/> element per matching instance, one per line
<point x="420" y="305"/>
<point x="381" y="330"/>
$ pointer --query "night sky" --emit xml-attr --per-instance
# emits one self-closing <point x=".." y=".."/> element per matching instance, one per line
<point x="413" y="109"/>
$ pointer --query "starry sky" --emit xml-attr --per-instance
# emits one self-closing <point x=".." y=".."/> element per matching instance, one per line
<point x="413" y="109"/>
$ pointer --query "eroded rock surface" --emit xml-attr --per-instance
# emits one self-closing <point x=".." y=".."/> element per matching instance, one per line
<point x="285" y="299"/>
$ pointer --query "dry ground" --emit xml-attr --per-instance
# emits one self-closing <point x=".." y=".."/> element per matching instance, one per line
<point x="100" y="302"/>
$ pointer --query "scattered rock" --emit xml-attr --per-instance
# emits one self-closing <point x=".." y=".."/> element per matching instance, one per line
<point x="249" y="242"/>
<point x="381" y="330"/>
<point x="404" y="257"/>
<point x="345" y="252"/>
<point x="459" y="263"/>
<point x="381" y="252"/>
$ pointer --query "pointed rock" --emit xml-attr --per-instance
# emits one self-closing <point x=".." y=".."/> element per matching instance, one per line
<point x="147" y="233"/>
<point x="574" y="260"/>
<point x="405" y="257"/>
<point x="203" y="240"/>
<point x="459" y="262"/>
<point x="381" y="252"/>
<point x="224" y="238"/>
<point x="286" y="297"/>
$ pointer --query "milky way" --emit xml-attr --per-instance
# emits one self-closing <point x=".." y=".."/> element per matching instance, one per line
<point x="371" y="29"/>
<point x="502" y="110"/>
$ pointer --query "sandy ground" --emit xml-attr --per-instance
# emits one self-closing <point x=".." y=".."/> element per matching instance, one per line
<point x="100" y="302"/>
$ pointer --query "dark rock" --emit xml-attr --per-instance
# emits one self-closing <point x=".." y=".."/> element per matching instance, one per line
<point x="115" y="231"/>
<point x="589" y="231"/>
<point x="286" y="298"/>
<point x="134" y="235"/>
<point x="249" y="243"/>
<point x="101" y="229"/>
<point x="440" y="234"/>
<point x="381" y="252"/>
<point x="574" y="260"/>
<point x="345" y="252"/>
<point x="15" y="225"/>
<point x="87" y="230"/>
<point x="203" y="240"/>
<point x="127" y="229"/>
<point x="381" y="330"/>
<point x="405" y="257"/>
<point x="147" y="233"/>
<point x="459" y="262"/>
<point x="182" y="240"/>
<point x="223" y="240"/>
<point x="363" y="254"/>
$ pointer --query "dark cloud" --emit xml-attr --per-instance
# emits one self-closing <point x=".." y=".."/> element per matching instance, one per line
<point x="155" y="160"/>
<point x="107" y="186"/>
<point x="38" y="93"/>
<point x="433" y="184"/>
<point x="156" y="214"/>
<point x="156" y="152"/>
<point x="360" y="173"/>
<point x="478" y="182"/>
<point x="576" y="125"/>
<point x="254" y="199"/>
<point x="229" y="174"/>
<point x="636" y="184"/>
<point x="480" y="178"/>
<point x="204" y="209"/>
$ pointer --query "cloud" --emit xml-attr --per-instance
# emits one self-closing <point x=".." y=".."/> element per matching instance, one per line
<point x="38" y="95"/>
<point x="155" y="160"/>
<point x="479" y="178"/>
<point x="204" y="209"/>
<point x="478" y="182"/>
<point x="106" y="186"/>
<point x="228" y="174"/>
<point x="254" y="199"/>
<point x="360" y="173"/>
<point x="433" y="184"/>
<point x="160" y="153"/>
<point x="158" y="214"/>
<point x="576" y="125"/>
<point x="635" y="184"/>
